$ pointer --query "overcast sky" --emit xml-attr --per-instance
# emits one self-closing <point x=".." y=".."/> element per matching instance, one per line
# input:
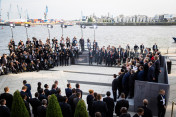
<point x="71" y="9"/>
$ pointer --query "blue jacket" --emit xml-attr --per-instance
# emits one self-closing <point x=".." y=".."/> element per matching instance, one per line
<point x="140" y="75"/>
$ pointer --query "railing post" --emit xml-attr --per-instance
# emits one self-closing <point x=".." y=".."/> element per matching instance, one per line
<point x="173" y="103"/>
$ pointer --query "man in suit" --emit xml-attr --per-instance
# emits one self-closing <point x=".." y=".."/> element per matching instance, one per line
<point x="78" y="89"/>
<point x="4" y="110"/>
<point x="147" y="111"/>
<point x="70" y="100"/>
<point x="100" y="106"/>
<point x="41" y="110"/>
<point x="47" y="91"/>
<point x="23" y="92"/>
<point x="145" y="69"/>
<point x="66" y="108"/>
<point x="161" y="103"/>
<point x="136" y="48"/>
<point x="41" y="95"/>
<point x="68" y="90"/>
<point x="53" y="90"/>
<point x="142" y="48"/>
<point x="121" y="103"/>
<point x="59" y="96"/>
<point x="76" y="100"/>
<point x="140" y="75"/>
<point x="151" y="72"/>
<point x="24" y="97"/>
<point x="120" y="87"/>
<point x="28" y="88"/>
<point x="110" y="104"/>
<point x="140" y="112"/>
<point x="90" y="99"/>
<point x="157" y="67"/>
<point x="35" y="103"/>
<point x="125" y="83"/>
<point x="114" y="87"/>
<point x="90" y="56"/>
<point x="155" y="47"/>
<point x="8" y="97"/>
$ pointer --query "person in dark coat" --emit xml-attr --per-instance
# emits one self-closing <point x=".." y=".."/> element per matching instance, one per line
<point x="100" y="106"/>
<point x="110" y="104"/>
<point x="125" y="83"/>
<point x="28" y="88"/>
<point x="157" y="67"/>
<point x="114" y="87"/>
<point x="90" y="56"/>
<point x="68" y="90"/>
<point x="35" y="103"/>
<point x="41" y="110"/>
<point x="78" y="89"/>
<point x="23" y="92"/>
<point x="121" y="103"/>
<point x="53" y="90"/>
<point x="120" y="87"/>
<point x="140" y="112"/>
<point x="4" y="110"/>
<point x="161" y="103"/>
<point x="147" y="111"/>
<point x="76" y="100"/>
<point x="155" y="47"/>
<point x="90" y="99"/>
<point x="60" y="98"/>
<point x="151" y="73"/>
<point x="70" y="100"/>
<point x="140" y="75"/>
<point x="47" y="91"/>
<point x="41" y="95"/>
<point x="66" y="108"/>
<point x="124" y="113"/>
<point x="145" y="69"/>
<point x="131" y="84"/>
<point x="24" y="97"/>
<point x="8" y="97"/>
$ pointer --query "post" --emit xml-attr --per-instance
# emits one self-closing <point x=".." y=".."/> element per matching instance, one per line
<point x="62" y="31"/>
<point x="12" y="33"/>
<point x="26" y="33"/>
<point x="49" y="33"/>
<point x="94" y="34"/>
<point x="81" y="32"/>
<point x="173" y="103"/>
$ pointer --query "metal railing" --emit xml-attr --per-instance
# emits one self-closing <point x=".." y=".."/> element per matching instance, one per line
<point x="172" y="111"/>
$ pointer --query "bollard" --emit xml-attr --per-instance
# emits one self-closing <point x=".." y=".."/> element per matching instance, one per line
<point x="173" y="103"/>
<point x="169" y="65"/>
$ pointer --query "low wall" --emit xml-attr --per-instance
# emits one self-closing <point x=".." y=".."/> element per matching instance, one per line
<point x="150" y="90"/>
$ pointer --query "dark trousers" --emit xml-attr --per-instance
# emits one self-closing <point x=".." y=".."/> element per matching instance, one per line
<point x="115" y="95"/>
<point x="90" y="60"/>
<point x="161" y="112"/>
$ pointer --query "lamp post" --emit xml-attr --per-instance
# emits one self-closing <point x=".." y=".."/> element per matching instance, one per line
<point x="12" y="25"/>
<point x="63" y="26"/>
<point x="82" y="27"/>
<point x="94" y="27"/>
<point x="27" y="26"/>
<point x="49" y="26"/>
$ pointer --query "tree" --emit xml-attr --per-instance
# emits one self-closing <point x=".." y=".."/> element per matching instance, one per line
<point x="80" y="110"/>
<point x="90" y="19"/>
<point x="18" y="106"/>
<point x="53" y="109"/>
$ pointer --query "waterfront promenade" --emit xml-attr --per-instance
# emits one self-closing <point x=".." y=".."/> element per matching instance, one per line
<point x="90" y="77"/>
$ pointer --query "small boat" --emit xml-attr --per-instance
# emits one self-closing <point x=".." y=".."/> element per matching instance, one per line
<point x="93" y="27"/>
<point x="174" y="38"/>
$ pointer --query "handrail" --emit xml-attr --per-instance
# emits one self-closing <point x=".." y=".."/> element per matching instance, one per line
<point x="173" y="103"/>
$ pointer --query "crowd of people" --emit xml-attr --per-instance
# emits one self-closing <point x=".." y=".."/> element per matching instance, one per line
<point x="97" y="106"/>
<point x="36" y="55"/>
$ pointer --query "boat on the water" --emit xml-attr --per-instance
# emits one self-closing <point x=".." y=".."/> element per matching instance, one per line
<point x="174" y="38"/>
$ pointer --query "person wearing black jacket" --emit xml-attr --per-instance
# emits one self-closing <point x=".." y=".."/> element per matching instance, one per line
<point x="114" y="87"/>
<point x="78" y="89"/>
<point x="66" y="108"/>
<point x="157" y="67"/>
<point x="4" y="110"/>
<point x="151" y="72"/>
<point x="131" y="84"/>
<point x="35" y="103"/>
<point x="68" y="90"/>
<point x="121" y="103"/>
<point x="59" y="96"/>
<point x="140" y="112"/>
<point x="41" y="110"/>
<point x="47" y="91"/>
<point x="24" y="97"/>
<point x="100" y="106"/>
<point x="120" y="88"/>
<point x="147" y="111"/>
<point x="110" y="104"/>
<point x="41" y="95"/>
<point x="70" y="100"/>
<point x="161" y="103"/>
<point x="28" y="88"/>
<point x="90" y="99"/>
<point x="8" y="97"/>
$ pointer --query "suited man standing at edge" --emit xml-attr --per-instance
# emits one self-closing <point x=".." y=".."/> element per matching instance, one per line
<point x="151" y="73"/>
<point x="161" y="99"/>
<point x="114" y="87"/>
<point x="155" y="47"/>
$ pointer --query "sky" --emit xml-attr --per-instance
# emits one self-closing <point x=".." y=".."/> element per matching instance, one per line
<point x="71" y="9"/>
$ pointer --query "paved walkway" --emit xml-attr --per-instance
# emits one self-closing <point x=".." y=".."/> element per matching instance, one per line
<point x="89" y="77"/>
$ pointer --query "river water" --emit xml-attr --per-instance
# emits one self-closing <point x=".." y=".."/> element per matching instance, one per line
<point x="104" y="35"/>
